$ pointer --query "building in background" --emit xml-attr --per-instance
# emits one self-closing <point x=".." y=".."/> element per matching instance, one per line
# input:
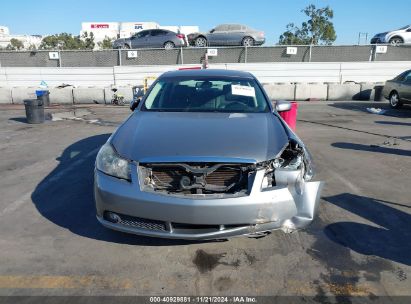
<point x="29" y="41"/>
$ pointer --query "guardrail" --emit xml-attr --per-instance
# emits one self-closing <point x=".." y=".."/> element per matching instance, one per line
<point x="303" y="72"/>
<point x="191" y="55"/>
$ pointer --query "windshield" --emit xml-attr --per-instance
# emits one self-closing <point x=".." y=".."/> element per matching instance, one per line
<point x="232" y="95"/>
<point x="404" y="27"/>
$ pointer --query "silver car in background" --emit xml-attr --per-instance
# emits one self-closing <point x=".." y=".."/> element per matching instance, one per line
<point x="205" y="156"/>
<point x="400" y="36"/>
<point x="227" y="35"/>
<point x="156" y="38"/>
<point x="398" y="90"/>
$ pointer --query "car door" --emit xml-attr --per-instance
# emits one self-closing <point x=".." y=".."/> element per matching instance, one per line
<point x="217" y="36"/>
<point x="235" y="34"/>
<point x="407" y="36"/>
<point x="157" y="38"/>
<point x="139" y="40"/>
<point x="405" y="90"/>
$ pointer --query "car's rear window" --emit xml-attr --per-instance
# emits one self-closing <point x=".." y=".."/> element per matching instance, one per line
<point x="219" y="94"/>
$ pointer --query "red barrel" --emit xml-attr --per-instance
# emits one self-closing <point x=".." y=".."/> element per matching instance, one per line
<point x="290" y="117"/>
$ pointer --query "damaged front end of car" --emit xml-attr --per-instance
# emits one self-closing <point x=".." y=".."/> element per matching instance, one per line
<point x="282" y="191"/>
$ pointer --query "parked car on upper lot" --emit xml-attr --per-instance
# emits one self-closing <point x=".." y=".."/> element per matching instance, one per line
<point x="156" y="38"/>
<point x="398" y="90"/>
<point x="227" y="34"/>
<point x="400" y="36"/>
<point x="205" y="155"/>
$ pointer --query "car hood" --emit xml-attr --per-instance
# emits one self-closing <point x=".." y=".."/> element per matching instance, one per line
<point x="213" y="137"/>
<point x="381" y="34"/>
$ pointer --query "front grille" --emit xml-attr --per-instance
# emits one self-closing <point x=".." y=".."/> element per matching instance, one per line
<point x="375" y="40"/>
<point x="195" y="178"/>
<point x="137" y="222"/>
<point x="224" y="176"/>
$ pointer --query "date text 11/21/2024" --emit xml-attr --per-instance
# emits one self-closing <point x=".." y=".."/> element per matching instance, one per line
<point x="203" y="299"/>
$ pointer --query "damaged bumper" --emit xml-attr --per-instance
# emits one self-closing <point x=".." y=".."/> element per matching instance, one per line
<point x="122" y="205"/>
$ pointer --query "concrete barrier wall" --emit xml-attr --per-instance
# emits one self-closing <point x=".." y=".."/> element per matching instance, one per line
<point x="289" y="81"/>
<point x="307" y="91"/>
<point x="265" y="72"/>
<point x="5" y="95"/>
<point x="275" y="91"/>
<point x="15" y="77"/>
<point x="344" y="91"/>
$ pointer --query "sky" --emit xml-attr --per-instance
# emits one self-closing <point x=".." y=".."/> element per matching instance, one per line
<point x="271" y="16"/>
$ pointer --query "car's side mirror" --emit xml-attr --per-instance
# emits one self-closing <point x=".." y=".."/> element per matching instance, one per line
<point x="134" y="104"/>
<point x="282" y="106"/>
<point x="212" y="31"/>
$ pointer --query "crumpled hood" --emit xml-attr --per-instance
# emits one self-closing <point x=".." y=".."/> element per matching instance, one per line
<point x="165" y="136"/>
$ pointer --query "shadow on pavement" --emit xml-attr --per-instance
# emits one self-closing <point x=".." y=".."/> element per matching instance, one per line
<point x="368" y="148"/>
<point x="19" y="119"/>
<point x="404" y="112"/>
<point x="65" y="196"/>
<point x="394" y="123"/>
<point x="389" y="237"/>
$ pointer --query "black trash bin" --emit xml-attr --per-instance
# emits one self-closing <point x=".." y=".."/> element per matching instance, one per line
<point x="45" y="96"/>
<point x="34" y="111"/>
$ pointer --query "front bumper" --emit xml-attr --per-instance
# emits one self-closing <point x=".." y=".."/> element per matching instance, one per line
<point x="203" y="218"/>
<point x="259" y="41"/>
<point x="378" y="40"/>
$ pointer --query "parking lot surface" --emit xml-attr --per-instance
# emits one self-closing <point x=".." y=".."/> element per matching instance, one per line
<point x="360" y="245"/>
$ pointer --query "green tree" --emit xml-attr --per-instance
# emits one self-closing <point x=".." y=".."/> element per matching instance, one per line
<point x="15" y="44"/>
<point x="63" y="41"/>
<point x="87" y="41"/>
<point x="318" y="29"/>
<point x="106" y="43"/>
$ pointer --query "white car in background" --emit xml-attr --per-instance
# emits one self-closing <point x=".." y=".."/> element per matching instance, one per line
<point x="401" y="36"/>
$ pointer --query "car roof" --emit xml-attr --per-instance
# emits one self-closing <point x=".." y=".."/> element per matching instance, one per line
<point x="225" y="24"/>
<point x="207" y="73"/>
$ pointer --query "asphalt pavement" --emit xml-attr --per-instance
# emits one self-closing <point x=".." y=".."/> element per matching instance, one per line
<point x="360" y="245"/>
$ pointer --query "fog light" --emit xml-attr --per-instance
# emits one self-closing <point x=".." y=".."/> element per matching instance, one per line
<point x="112" y="217"/>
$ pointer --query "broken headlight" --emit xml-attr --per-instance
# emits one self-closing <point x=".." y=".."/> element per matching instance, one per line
<point x="110" y="163"/>
<point x="295" y="157"/>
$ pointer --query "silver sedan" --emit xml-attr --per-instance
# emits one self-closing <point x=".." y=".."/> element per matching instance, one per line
<point x="204" y="155"/>
<point x="226" y="35"/>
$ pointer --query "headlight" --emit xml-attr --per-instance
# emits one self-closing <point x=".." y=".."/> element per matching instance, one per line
<point x="109" y="162"/>
<point x="294" y="158"/>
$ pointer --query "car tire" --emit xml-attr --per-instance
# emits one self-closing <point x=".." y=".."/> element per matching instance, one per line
<point x="395" y="101"/>
<point x="125" y="46"/>
<point x="169" y="45"/>
<point x="248" y="41"/>
<point x="200" y="42"/>
<point x="396" y="41"/>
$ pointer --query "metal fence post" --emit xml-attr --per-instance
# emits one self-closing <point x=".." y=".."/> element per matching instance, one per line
<point x="119" y="57"/>
<point x="181" y="55"/>
<point x="59" y="61"/>
<point x="245" y="54"/>
<point x="311" y="49"/>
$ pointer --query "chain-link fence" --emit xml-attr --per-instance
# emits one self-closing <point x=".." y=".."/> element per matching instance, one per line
<point x="191" y="55"/>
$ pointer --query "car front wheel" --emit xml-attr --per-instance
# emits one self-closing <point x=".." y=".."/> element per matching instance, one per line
<point x="396" y="41"/>
<point x="395" y="101"/>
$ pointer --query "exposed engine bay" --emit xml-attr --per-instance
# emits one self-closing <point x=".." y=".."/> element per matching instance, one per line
<point x="222" y="178"/>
